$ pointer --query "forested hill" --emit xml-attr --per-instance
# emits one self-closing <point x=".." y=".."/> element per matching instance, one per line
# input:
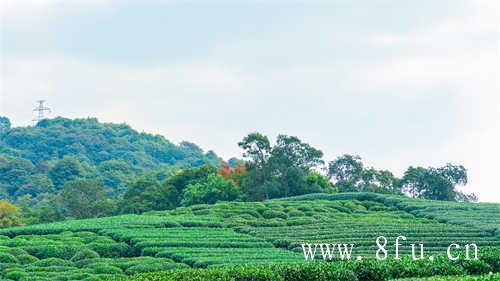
<point x="37" y="159"/>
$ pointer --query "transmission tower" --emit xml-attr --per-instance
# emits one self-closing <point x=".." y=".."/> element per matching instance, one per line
<point x="40" y="110"/>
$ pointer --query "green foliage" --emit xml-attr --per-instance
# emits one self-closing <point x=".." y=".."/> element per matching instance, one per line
<point x="94" y="142"/>
<point x="38" y="160"/>
<point x="65" y="170"/>
<point x="436" y="183"/>
<point x="173" y="188"/>
<point x="84" y="254"/>
<point x="214" y="189"/>
<point x="188" y="186"/>
<point x="367" y="270"/>
<point x="249" y="241"/>
<point x="7" y="258"/>
<point x="349" y="175"/>
<point x="26" y="259"/>
<point x="85" y="199"/>
<point x="52" y="262"/>
<point x="281" y="170"/>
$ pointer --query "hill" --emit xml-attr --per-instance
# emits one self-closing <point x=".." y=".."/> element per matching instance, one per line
<point x="40" y="159"/>
<point x="261" y="240"/>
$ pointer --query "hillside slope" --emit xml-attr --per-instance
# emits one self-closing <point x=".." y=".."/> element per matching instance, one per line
<point x="483" y="216"/>
<point x="226" y="234"/>
<point x="38" y="159"/>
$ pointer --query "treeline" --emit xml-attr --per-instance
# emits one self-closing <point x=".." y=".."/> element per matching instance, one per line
<point x="38" y="163"/>
<point x="81" y="168"/>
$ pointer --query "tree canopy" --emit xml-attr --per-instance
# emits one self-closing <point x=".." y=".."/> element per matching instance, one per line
<point x="81" y="168"/>
<point x="278" y="170"/>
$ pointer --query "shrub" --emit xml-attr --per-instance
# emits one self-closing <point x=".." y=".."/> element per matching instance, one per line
<point x="171" y="224"/>
<point x="295" y="213"/>
<point x="149" y="267"/>
<point x="52" y="262"/>
<point x="85" y="254"/>
<point x="492" y="257"/>
<point x="7" y="258"/>
<point x="16" y="275"/>
<point x="113" y="250"/>
<point x="26" y="259"/>
<point x="270" y="214"/>
<point x="17" y="251"/>
<point x="476" y="266"/>
<point x="371" y="270"/>
<point x="343" y="275"/>
<point x="442" y="266"/>
<point x="52" y="251"/>
<point x="104" y="268"/>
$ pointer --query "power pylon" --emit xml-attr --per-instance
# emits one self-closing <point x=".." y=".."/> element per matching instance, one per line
<point x="40" y="111"/>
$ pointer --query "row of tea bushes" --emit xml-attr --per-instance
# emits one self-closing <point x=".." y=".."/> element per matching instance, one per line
<point x="288" y="224"/>
<point x="484" y="277"/>
<point x="482" y="216"/>
<point x="94" y="225"/>
<point x="87" y="269"/>
<point x="72" y="256"/>
<point x="363" y="229"/>
<point x="202" y="246"/>
<point x="367" y="270"/>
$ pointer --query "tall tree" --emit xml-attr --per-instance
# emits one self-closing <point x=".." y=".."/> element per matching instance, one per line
<point x="214" y="189"/>
<point x="85" y="199"/>
<point x="347" y="172"/>
<point x="279" y="170"/>
<point x="257" y="147"/>
<point x="141" y="196"/>
<point x="436" y="183"/>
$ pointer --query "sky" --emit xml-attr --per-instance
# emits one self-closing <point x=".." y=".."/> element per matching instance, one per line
<point x="399" y="83"/>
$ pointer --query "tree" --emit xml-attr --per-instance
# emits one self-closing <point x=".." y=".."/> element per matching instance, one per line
<point x="436" y="183"/>
<point x="9" y="214"/>
<point x="46" y="208"/>
<point x="33" y="159"/>
<point x="279" y="170"/>
<point x="4" y="125"/>
<point x="347" y="171"/>
<point x="65" y="169"/>
<point x="172" y="188"/>
<point x="224" y="170"/>
<point x="148" y="194"/>
<point x="214" y="189"/>
<point x="256" y="147"/>
<point x="118" y="174"/>
<point x="85" y="199"/>
<point x="16" y="172"/>
<point x="141" y="196"/>
<point x="316" y="182"/>
<point x="238" y="174"/>
<point x="233" y="162"/>
<point x="383" y="181"/>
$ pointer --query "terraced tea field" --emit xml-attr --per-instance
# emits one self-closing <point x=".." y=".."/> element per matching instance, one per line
<point x="484" y="216"/>
<point x="256" y="234"/>
<point x="203" y="246"/>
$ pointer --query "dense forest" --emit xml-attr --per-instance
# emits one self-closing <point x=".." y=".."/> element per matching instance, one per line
<point x="81" y="168"/>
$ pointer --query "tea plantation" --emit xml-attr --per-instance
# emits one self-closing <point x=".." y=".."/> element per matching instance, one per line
<point x="259" y="241"/>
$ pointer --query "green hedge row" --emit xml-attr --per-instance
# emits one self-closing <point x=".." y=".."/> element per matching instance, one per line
<point x="367" y="270"/>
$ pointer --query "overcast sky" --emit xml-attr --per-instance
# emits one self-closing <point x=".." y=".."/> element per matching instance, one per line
<point x="398" y="82"/>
